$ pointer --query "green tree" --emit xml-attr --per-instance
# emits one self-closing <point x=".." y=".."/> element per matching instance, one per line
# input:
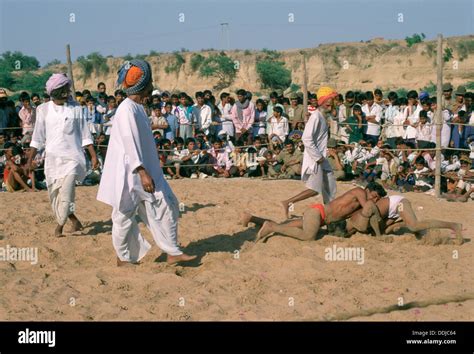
<point x="448" y="54"/>
<point x="273" y="74"/>
<point x="94" y="62"/>
<point x="53" y="62"/>
<point x="465" y="48"/>
<point x="6" y="78"/>
<point x="220" y="66"/>
<point x="31" y="82"/>
<point x="14" y="61"/>
<point x="196" y="61"/>
<point x="416" y="38"/>
<point x="176" y="65"/>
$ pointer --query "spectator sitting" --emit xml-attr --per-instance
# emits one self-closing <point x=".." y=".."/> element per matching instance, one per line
<point x="291" y="160"/>
<point x="335" y="160"/>
<point x="14" y="176"/>
<point x="221" y="160"/>
<point x="239" y="160"/>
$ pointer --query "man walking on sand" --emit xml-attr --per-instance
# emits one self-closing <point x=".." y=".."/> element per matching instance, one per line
<point x="61" y="128"/>
<point x="316" y="171"/>
<point x="132" y="180"/>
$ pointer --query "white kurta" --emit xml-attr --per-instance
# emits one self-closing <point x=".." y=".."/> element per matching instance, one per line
<point x="132" y="145"/>
<point x="318" y="177"/>
<point x="62" y="130"/>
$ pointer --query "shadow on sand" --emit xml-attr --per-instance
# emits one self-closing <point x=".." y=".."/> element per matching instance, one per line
<point x="216" y="243"/>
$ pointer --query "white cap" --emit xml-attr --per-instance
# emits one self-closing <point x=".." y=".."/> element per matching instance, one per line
<point x="156" y="92"/>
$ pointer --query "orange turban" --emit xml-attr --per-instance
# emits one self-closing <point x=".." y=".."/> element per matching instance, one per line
<point x="324" y="93"/>
<point x="133" y="76"/>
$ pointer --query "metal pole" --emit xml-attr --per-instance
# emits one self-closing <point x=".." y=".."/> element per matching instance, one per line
<point x="438" y="118"/>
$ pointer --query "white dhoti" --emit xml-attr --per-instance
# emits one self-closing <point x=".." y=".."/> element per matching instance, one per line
<point x="62" y="195"/>
<point x="322" y="182"/>
<point x="160" y="217"/>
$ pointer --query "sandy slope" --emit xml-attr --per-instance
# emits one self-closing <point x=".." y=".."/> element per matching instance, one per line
<point x="76" y="277"/>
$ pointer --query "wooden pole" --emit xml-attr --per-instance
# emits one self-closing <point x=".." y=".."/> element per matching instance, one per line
<point x="438" y="118"/>
<point x="69" y="70"/>
<point x="305" y="86"/>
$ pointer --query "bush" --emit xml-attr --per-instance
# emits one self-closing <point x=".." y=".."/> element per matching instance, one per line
<point x="128" y="57"/>
<point x="270" y="54"/>
<point x="196" y="61"/>
<point x="431" y="88"/>
<point x="6" y="78"/>
<point x="448" y="54"/>
<point x="401" y="92"/>
<point x="416" y="38"/>
<point x="31" y="82"/>
<point x="176" y="66"/>
<point x="465" y="48"/>
<point x="53" y="62"/>
<point x="247" y="52"/>
<point x="9" y="61"/>
<point x="220" y="66"/>
<point x="94" y="62"/>
<point x="154" y="53"/>
<point x="430" y="49"/>
<point x="294" y="87"/>
<point x="273" y="74"/>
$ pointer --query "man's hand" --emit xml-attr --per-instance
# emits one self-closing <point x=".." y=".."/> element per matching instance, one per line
<point x="95" y="162"/>
<point x="283" y="168"/>
<point x="147" y="182"/>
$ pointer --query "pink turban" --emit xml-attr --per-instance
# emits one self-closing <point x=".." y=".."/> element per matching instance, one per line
<point x="56" y="81"/>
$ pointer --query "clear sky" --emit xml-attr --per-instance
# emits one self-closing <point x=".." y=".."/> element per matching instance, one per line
<point x="42" y="27"/>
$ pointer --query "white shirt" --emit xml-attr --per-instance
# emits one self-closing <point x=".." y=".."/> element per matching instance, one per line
<point x="390" y="115"/>
<point x="413" y="118"/>
<point x="315" y="139"/>
<point x="424" y="132"/>
<point x="375" y="110"/>
<point x="63" y="131"/>
<point x="279" y="128"/>
<point x="203" y="117"/>
<point x="131" y="145"/>
<point x="445" y="129"/>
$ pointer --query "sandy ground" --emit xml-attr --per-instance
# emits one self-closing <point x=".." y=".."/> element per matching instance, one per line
<point x="234" y="279"/>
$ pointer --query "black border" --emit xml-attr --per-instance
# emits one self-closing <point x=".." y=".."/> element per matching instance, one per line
<point x="137" y="337"/>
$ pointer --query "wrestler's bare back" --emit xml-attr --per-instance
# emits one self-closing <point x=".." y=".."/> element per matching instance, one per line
<point x="345" y="206"/>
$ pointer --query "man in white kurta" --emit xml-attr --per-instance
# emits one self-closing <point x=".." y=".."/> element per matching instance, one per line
<point x="132" y="181"/>
<point x="61" y="129"/>
<point x="316" y="171"/>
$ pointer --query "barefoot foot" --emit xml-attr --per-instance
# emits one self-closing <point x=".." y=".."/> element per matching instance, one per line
<point x="121" y="263"/>
<point x="245" y="219"/>
<point x="266" y="230"/>
<point x="181" y="258"/>
<point x="286" y="209"/>
<point x="458" y="233"/>
<point x="58" y="232"/>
